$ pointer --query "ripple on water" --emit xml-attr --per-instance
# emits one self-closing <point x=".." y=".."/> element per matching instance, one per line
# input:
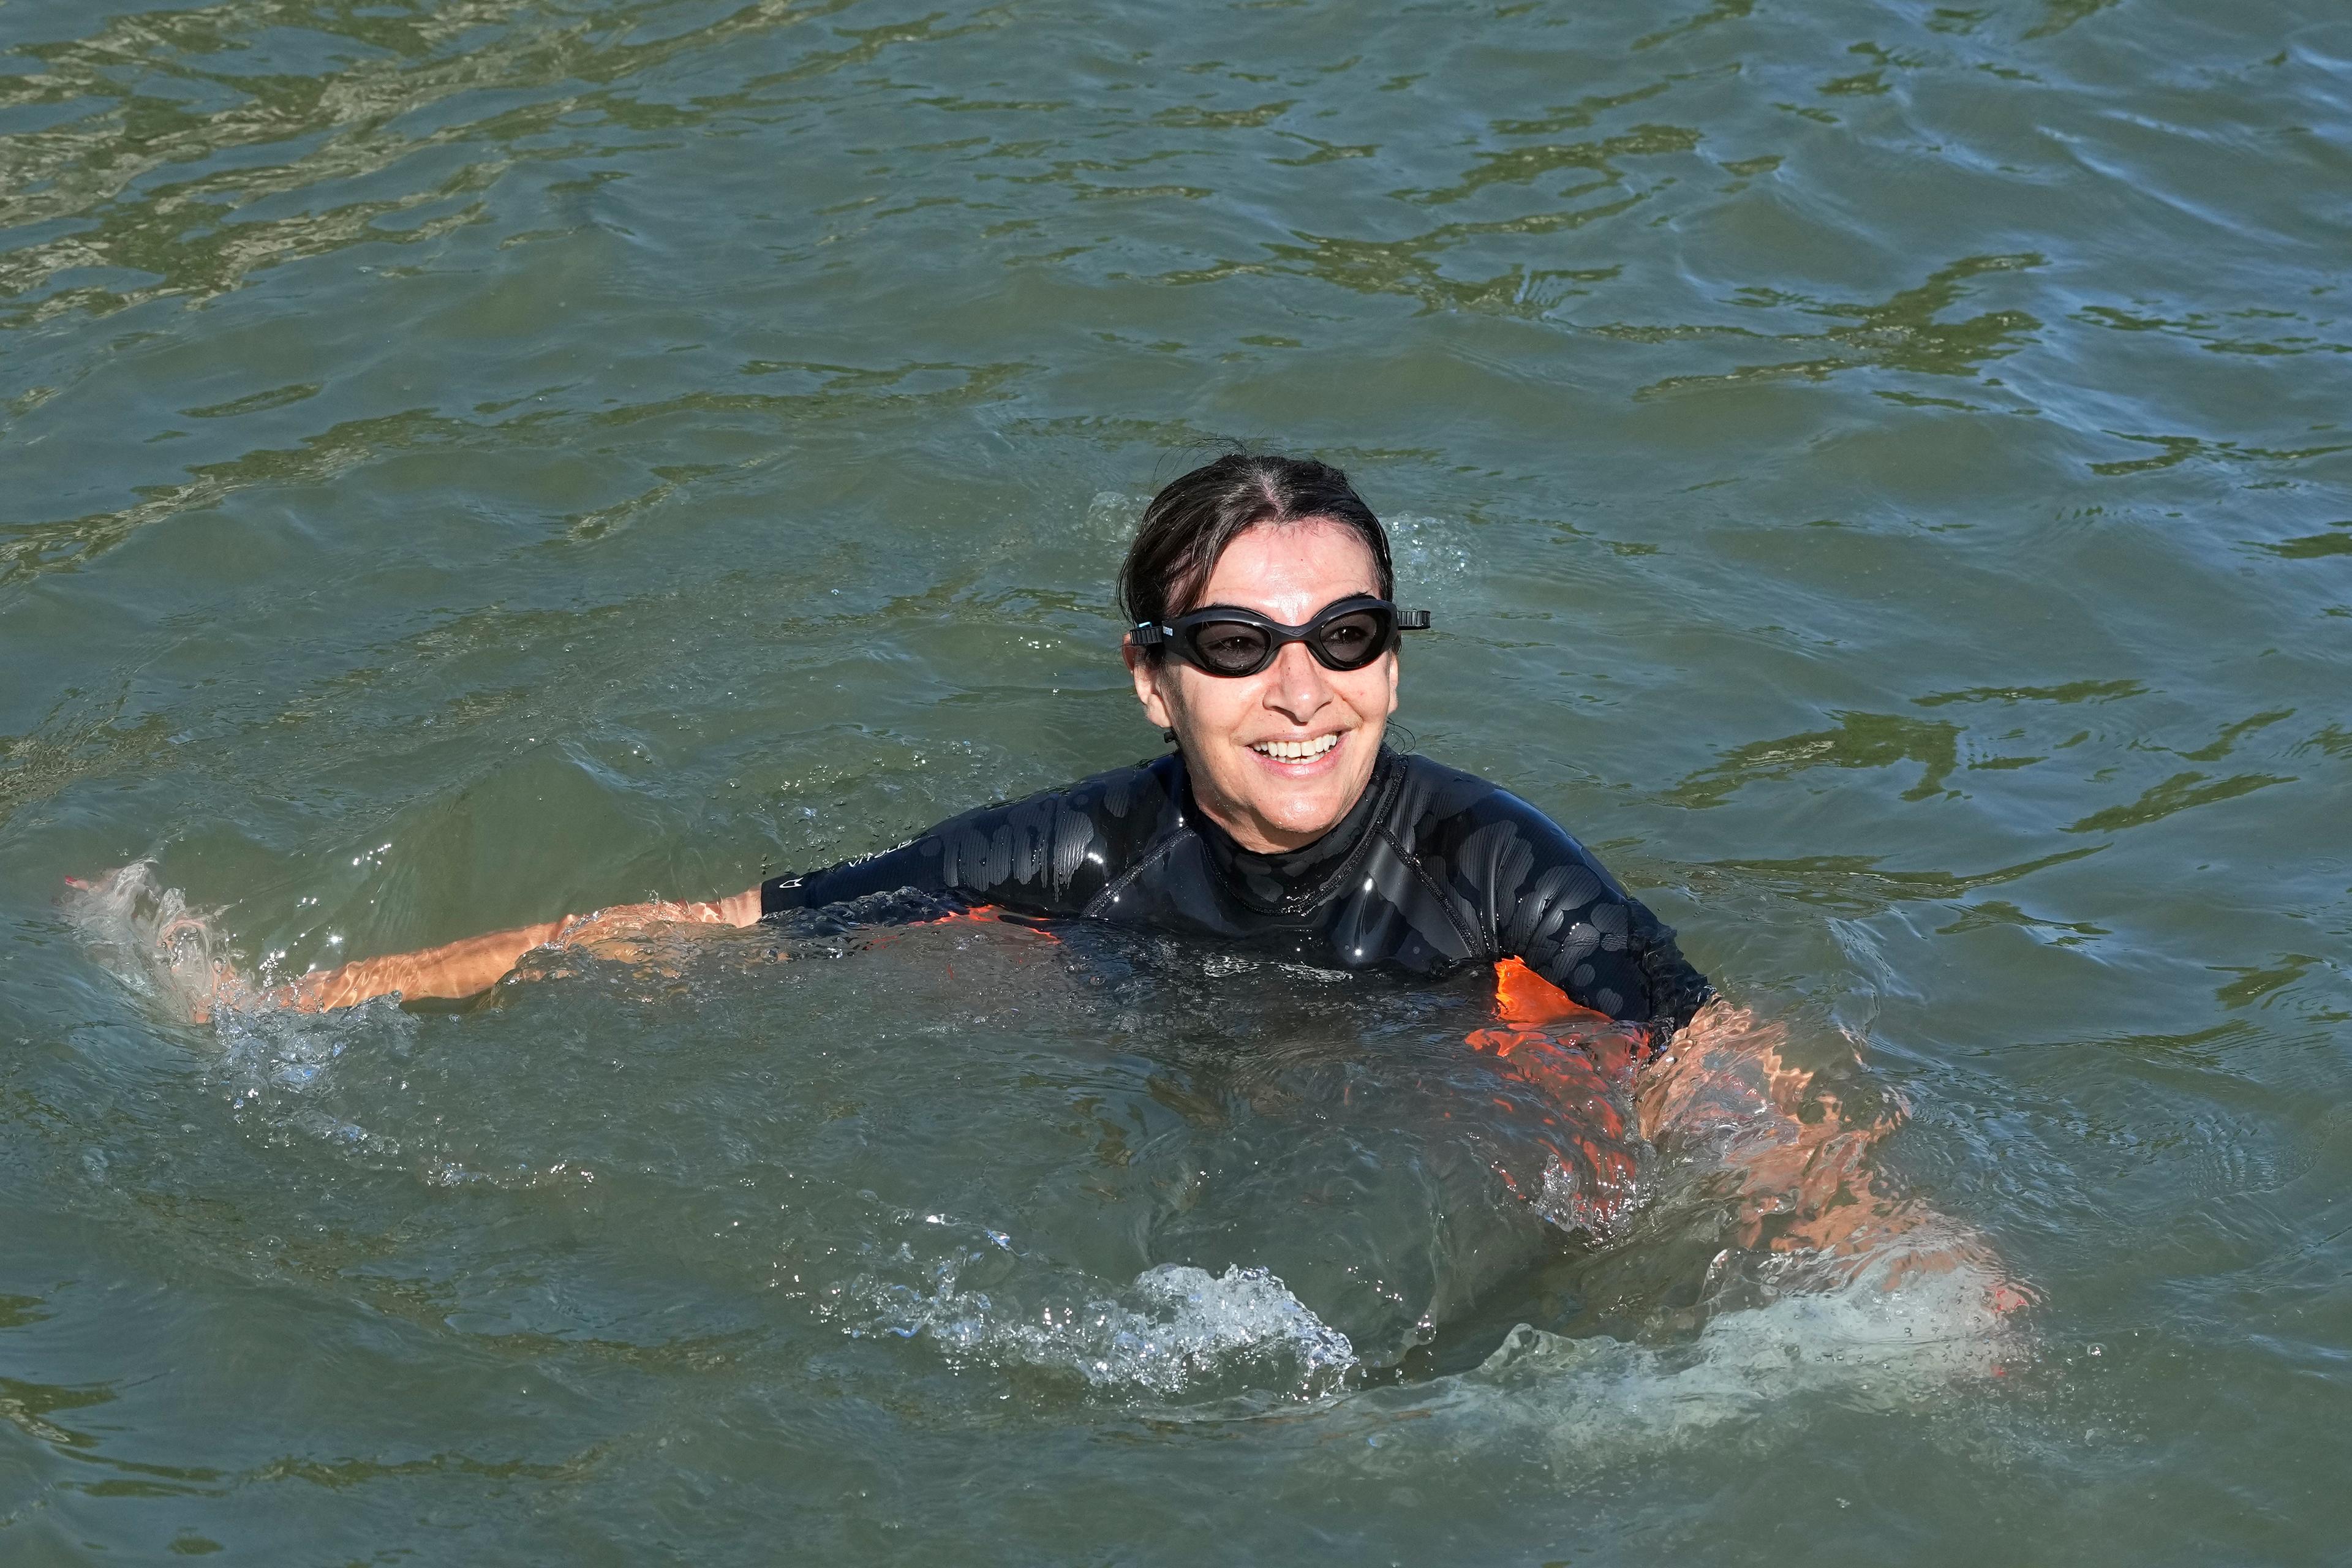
<point x="1881" y="473"/>
<point x="1286" y="1146"/>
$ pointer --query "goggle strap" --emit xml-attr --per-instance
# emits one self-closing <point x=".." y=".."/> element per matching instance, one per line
<point x="1412" y="620"/>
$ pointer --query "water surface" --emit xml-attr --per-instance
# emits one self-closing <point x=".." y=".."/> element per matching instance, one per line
<point x="1881" y="476"/>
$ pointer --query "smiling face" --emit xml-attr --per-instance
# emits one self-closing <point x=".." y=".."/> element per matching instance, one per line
<point x="1278" y="758"/>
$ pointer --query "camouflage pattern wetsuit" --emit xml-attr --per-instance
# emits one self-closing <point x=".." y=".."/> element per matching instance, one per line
<point x="1432" y="871"/>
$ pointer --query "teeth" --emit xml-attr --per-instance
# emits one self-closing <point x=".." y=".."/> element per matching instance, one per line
<point x="1296" y="750"/>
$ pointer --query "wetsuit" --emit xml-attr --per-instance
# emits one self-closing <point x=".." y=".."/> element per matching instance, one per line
<point x="1434" y="869"/>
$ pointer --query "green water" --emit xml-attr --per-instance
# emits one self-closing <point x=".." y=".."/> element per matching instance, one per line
<point x="1881" y="475"/>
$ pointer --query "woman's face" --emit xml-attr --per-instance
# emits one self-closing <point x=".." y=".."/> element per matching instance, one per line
<point x="1227" y="724"/>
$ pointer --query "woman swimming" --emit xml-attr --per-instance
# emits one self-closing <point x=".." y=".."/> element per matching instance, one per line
<point x="1262" y="640"/>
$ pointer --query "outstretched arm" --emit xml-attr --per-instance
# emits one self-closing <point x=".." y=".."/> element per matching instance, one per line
<point x="1798" y="1157"/>
<point x="468" y="967"/>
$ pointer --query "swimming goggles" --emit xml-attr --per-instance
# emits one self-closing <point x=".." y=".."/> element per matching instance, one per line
<point x="1225" y="640"/>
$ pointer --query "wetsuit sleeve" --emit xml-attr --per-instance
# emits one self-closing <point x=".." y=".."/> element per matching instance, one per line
<point x="1041" y="856"/>
<point x="1555" y="907"/>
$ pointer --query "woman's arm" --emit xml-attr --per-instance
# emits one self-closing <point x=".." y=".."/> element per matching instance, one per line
<point x="471" y="966"/>
<point x="1798" y="1157"/>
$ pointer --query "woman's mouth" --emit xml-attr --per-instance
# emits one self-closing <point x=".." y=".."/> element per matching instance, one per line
<point x="1296" y="750"/>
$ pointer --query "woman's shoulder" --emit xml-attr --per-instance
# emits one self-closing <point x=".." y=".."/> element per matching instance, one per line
<point x="1112" y="812"/>
<point x="1461" y="816"/>
<point x="1430" y="786"/>
<point x="1141" y="791"/>
<point x="1440" y="797"/>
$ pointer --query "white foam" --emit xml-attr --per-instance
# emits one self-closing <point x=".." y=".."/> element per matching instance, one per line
<point x="146" y="935"/>
<point x="1426" y="548"/>
<point x="1175" y="1329"/>
<point x="1566" y="1400"/>
<point x="1111" y="516"/>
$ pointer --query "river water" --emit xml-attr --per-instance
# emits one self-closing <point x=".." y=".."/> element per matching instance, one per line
<point x="1880" y="472"/>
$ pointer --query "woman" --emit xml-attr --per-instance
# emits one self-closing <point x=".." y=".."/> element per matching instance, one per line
<point x="1263" y="641"/>
<point x="1263" y="644"/>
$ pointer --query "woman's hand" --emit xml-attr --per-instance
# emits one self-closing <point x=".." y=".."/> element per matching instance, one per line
<point x="1806" y="1184"/>
<point x="156" y="939"/>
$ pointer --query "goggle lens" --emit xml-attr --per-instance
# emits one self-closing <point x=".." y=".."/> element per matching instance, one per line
<point x="1346" y="637"/>
<point x="1232" y="648"/>
<point x="1353" y="640"/>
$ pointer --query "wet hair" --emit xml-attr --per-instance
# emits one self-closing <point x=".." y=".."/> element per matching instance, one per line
<point x="1193" y="518"/>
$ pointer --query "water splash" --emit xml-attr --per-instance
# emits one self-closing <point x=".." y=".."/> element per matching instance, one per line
<point x="148" y="937"/>
<point x="1175" y="1330"/>
<point x="1426" y="548"/>
<point x="175" y="957"/>
<point x="1565" y="1402"/>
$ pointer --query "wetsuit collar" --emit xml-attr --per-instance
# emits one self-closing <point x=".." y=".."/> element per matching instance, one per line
<point x="1296" y="881"/>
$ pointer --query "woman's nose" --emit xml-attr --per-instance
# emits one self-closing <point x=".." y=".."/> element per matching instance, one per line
<point x="1298" y="689"/>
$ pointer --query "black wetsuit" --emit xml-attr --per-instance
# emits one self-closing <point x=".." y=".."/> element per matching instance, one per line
<point x="1433" y="869"/>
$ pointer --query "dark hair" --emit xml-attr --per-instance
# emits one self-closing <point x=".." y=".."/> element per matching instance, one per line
<point x="1193" y="518"/>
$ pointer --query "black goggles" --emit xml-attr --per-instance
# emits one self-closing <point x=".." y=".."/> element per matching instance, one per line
<point x="1348" y="633"/>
